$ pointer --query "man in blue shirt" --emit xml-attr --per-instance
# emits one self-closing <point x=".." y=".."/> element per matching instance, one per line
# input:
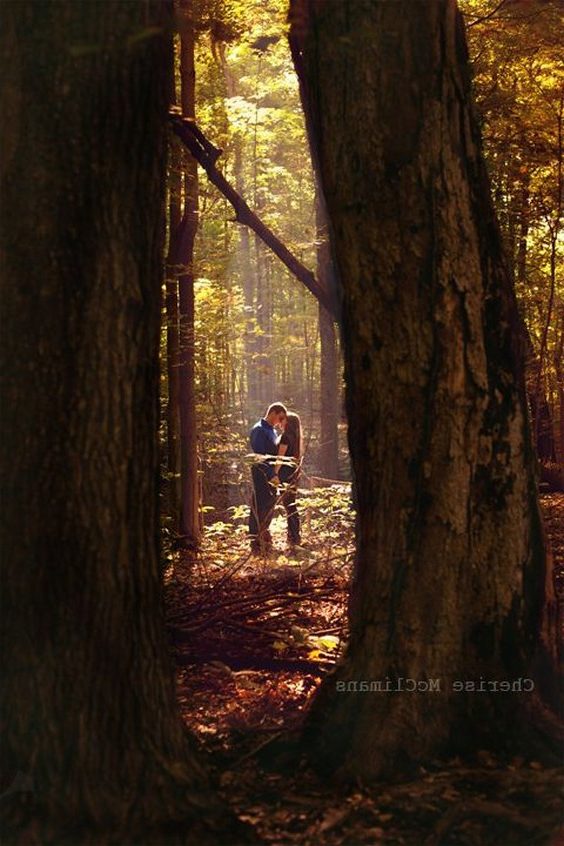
<point x="264" y="442"/>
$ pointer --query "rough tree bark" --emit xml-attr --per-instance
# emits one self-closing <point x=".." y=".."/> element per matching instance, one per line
<point x="88" y="702"/>
<point x="450" y="560"/>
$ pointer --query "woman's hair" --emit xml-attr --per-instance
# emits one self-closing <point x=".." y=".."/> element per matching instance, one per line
<point x="293" y="432"/>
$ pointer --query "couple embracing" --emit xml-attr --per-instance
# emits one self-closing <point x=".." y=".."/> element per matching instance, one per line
<point x="277" y="439"/>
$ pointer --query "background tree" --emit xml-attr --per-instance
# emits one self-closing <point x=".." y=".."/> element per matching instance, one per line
<point x="330" y="410"/>
<point x="171" y="341"/>
<point x="515" y="48"/>
<point x="88" y="706"/>
<point x="181" y="369"/>
<point x="449" y="572"/>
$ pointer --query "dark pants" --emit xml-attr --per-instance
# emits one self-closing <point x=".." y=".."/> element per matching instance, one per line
<point x="262" y="505"/>
<point x="288" y="476"/>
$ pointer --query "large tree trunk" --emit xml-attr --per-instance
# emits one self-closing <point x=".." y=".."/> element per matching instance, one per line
<point x="88" y="707"/>
<point x="450" y="561"/>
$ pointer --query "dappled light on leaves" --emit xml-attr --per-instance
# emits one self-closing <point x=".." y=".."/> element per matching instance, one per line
<point x="518" y="78"/>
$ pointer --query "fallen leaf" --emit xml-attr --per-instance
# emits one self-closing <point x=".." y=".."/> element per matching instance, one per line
<point x="374" y="833"/>
<point x="333" y="818"/>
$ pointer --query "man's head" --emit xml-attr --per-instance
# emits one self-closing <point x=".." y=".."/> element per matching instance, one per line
<point x="276" y="414"/>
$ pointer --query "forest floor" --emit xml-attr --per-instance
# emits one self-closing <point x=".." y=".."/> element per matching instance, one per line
<point x="252" y="640"/>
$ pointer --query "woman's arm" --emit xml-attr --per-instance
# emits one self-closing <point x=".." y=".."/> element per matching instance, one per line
<point x="282" y="450"/>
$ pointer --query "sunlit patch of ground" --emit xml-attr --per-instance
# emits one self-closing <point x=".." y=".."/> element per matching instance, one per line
<point x="253" y="638"/>
<point x="253" y="635"/>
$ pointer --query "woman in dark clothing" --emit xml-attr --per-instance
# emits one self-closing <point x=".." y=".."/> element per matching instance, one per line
<point x="287" y="474"/>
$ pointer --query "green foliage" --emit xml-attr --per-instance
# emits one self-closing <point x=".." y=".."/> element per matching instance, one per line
<point x="329" y="512"/>
<point x="326" y="512"/>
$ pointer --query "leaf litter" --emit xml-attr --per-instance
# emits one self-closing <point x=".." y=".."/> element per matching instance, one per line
<point x="253" y="638"/>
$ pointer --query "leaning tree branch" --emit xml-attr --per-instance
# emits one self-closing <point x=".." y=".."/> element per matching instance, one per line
<point x="207" y="155"/>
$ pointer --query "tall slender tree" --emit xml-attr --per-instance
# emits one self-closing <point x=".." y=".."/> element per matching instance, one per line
<point x="450" y="562"/>
<point x="329" y="357"/>
<point x="172" y="329"/>
<point x="190" y="527"/>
